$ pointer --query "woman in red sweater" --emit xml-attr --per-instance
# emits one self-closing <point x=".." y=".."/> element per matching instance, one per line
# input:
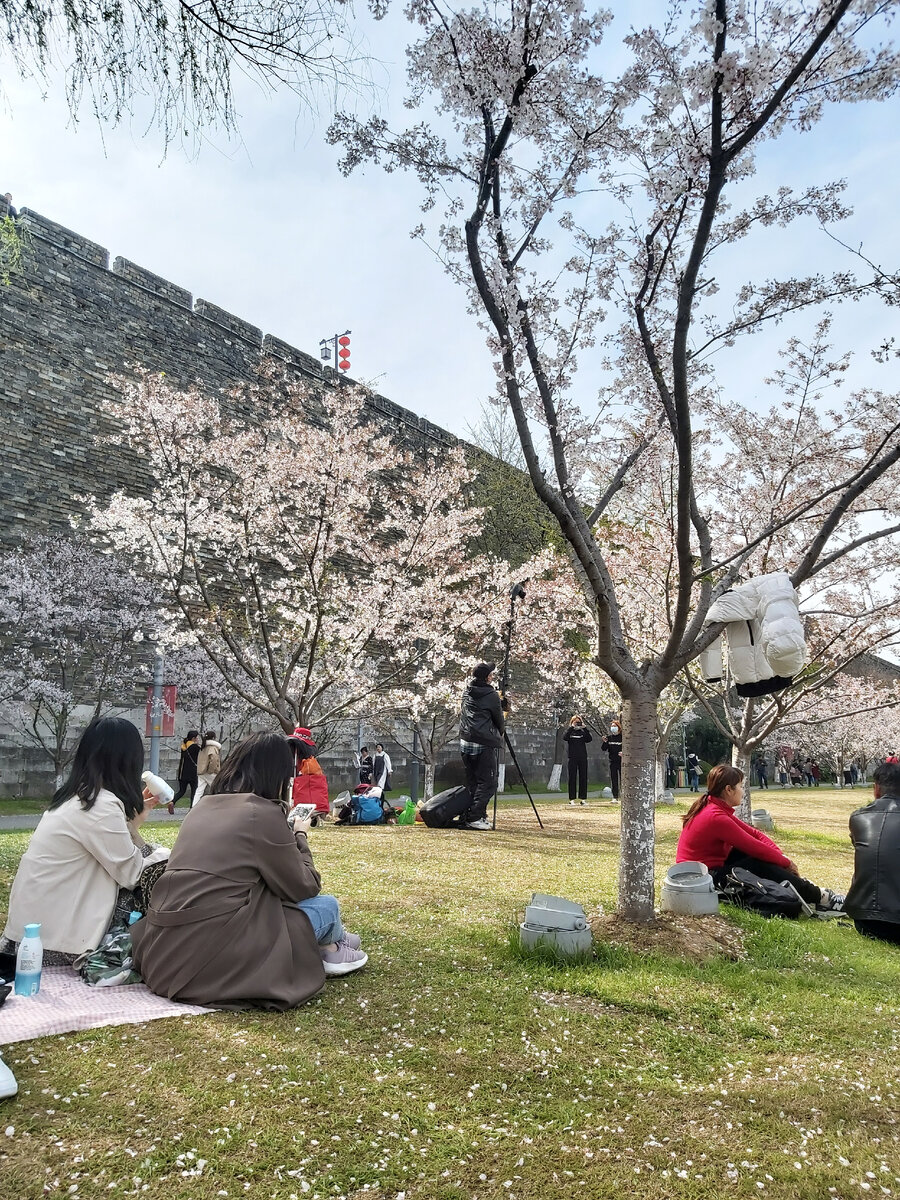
<point x="713" y="835"/>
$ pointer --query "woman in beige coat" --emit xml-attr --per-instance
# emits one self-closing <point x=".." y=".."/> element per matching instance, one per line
<point x="237" y="919"/>
<point x="209" y="763"/>
<point x="86" y="846"/>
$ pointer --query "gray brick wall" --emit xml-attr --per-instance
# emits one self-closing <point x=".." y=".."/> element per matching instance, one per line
<point x="67" y="323"/>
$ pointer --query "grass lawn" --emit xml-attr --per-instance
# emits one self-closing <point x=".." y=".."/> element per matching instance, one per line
<point x="14" y="806"/>
<point x="452" y="1069"/>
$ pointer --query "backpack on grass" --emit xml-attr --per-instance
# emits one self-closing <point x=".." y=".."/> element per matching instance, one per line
<point x="759" y="895"/>
<point x="442" y="810"/>
<point x="366" y="809"/>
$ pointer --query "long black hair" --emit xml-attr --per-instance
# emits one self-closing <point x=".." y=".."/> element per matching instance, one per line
<point x="262" y="763"/>
<point x="109" y="755"/>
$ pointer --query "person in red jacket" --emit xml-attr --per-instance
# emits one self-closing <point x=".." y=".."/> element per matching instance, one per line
<point x="310" y="785"/>
<point x="714" y="835"/>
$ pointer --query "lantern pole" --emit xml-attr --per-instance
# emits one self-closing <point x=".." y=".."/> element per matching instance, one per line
<point x="327" y="345"/>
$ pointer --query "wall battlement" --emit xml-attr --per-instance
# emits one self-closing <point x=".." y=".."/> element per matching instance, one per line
<point x="70" y="321"/>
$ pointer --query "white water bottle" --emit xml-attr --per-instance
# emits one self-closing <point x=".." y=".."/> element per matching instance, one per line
<point x="158" y="786"/>
<point x="29" y="961"/>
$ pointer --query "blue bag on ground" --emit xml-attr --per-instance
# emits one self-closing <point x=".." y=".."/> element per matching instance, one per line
<point x="366" y="810"/>
<point x="445" y="808"/>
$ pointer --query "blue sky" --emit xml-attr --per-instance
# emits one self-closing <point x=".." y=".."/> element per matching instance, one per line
<point x="267" y="228"/>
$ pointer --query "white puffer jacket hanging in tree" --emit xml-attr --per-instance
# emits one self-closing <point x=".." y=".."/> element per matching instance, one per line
<point x="766" y="646"/>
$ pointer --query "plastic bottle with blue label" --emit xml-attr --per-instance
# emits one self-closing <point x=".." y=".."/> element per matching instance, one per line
<point x="29" y="961"/>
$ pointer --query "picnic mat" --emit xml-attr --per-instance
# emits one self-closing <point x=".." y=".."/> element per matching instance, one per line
<point x="66" y="1004"/>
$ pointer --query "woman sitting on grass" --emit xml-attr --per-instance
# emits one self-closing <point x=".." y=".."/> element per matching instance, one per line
<point x="86" y="847"/>
<point x="237" y="919"/>
<point x="713" y="835"/>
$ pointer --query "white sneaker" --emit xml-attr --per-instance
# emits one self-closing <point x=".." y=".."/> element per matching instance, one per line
<point x="830" y="907"/>
<point x="571" y="804"/>
<point x="8" y="1085"/>
<point x="483" y="825"/>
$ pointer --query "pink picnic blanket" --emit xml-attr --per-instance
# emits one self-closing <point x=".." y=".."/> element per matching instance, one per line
<point x="66" y="1004"/>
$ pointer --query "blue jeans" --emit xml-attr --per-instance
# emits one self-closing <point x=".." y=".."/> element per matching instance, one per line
<point x="325" y="918"/>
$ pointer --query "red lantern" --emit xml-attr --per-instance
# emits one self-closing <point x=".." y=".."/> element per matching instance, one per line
<point x="344" y="353"/>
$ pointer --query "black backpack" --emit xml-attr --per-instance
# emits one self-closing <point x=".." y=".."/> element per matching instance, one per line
<point x="763" y="896"/>
<point x="445" y="808"/>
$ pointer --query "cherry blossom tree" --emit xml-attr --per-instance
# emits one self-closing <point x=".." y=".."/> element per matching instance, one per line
<point x="550" y="649"/>
<point x="73" y="623"/>
<point x="850" y="604"/>
<point x="851" y="718"/>
<point x="583" y="205"/>
<point x="877" y="736"/>
<point x="302" y="550"/>
<point x="202" y="693"/>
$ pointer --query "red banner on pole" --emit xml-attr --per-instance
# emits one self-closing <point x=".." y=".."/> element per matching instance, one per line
<point x="164" y="720"/>
<point x="170" y="698"/>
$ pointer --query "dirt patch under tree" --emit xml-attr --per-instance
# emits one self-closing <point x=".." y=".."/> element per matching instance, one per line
<point x="696" y="939"/>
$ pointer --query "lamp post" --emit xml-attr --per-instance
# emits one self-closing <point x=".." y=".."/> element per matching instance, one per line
<point x="339" y="344"/>
<point x="156" y="711"/>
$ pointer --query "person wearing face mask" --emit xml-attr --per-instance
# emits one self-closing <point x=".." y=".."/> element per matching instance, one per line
<point x="576" y="738"/>
<point x="612" y="744"/>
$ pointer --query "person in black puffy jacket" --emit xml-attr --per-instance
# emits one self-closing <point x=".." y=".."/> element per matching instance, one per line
<point x="481" y="726"/>
<point x="577" y="737"/>
<point x="874" y="897"/>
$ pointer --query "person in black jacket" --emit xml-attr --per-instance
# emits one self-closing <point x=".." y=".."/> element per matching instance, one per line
<point x="612" y="744"/>
<point x="577" y="737"/>
<point x="366" y="765"/>
<point x="187" y="768"/>
<point x="481" y="726"/>
<point x="874" y="897"/>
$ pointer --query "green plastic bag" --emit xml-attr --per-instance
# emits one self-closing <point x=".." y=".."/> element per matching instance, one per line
<point x="408" y="815"/>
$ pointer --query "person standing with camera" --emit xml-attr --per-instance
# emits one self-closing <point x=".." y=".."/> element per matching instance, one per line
<point x="481" y="727"/>
<point x="576" y="738"/>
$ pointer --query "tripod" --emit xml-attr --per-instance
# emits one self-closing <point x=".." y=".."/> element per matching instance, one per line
<point x="516" y="592"/>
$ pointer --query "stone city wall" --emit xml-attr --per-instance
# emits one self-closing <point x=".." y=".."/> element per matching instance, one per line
<point x="66" y="323"/>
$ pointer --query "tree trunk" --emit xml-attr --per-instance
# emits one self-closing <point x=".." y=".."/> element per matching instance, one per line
<point x="740" y="758"/>
<point x="501" y="777"/>
<point x="636" y="884"/>
<point x="429" y="780"/>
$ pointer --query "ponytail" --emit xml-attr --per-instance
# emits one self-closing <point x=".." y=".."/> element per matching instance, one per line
<point x="721" y="777"/>
<point x="699" y="804"/>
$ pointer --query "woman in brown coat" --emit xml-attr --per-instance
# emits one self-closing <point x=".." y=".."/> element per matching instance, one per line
<point x="237" y="919"/>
